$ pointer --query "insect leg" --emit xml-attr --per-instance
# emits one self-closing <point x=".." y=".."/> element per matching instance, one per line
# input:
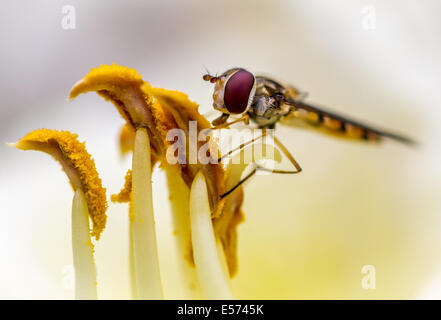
<point x="258" y="167"/>
<point x="243" y="145"/>
<point x="239" y="183"/>
<point x="288" y="155"/>
<point x="221" y="122"/>
<point x="248" y="176"/>
<point x="253" y="172"/>
<point x="279" y="144"/>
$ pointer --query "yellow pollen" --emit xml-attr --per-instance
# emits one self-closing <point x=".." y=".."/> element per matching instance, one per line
<point x="74" y="157"/>
<point x="124" y="194"/>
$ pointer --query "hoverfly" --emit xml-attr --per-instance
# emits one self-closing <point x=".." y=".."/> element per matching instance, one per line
<point x="267" y="102"/>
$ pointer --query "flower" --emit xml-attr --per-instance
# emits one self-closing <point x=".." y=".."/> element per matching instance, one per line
<point x="157" y="111"/>
<point x="160" y="110"/>
<point x="205" y="197"/>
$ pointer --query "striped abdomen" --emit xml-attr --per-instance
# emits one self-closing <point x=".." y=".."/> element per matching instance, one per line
<point x="304" y="114"/>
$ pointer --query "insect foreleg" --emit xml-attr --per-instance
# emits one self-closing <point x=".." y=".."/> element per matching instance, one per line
<point x="221" y="122"/>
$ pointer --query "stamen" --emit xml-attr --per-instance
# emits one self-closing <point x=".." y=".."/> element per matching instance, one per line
<point x="82" y="247"/>
<point x="146" y="264"/>
<point x="213" y="280"/>
<point x="158" y="111"/>
<point x="89" y="200"/>
<point x="179" y="195"/>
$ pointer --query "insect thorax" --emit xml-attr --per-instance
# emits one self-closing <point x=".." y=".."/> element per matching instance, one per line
<point x="265" y="110"/>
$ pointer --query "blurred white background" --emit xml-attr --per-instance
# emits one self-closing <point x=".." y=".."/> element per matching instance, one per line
<point x="306" y="236"/>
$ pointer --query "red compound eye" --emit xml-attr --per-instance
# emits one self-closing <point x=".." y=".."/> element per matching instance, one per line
<point x="237" y="91"/>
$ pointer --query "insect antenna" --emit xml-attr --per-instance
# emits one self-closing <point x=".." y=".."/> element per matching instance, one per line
<point x="209" y="77"/>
